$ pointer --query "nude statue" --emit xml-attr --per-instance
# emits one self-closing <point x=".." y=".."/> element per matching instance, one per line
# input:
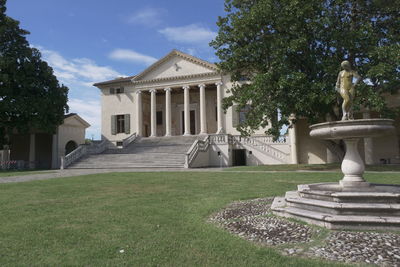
<point x="346" y="88"/>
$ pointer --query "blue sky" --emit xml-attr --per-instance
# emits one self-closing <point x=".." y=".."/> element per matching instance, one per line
<point x="90" y="41"/>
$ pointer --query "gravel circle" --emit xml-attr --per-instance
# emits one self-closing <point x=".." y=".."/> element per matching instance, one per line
<point x="252" y="220"/>
<point x="368" y="247"/>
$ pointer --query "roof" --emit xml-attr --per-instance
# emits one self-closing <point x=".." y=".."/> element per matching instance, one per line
<point x="116" y="80"/>
<point x="158" y="63"/>
<point x="78" y="118"/>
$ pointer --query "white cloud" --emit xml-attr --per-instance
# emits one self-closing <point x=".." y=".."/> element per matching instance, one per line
<point x="148" y="16"/>
<point x="132" y="56"/>
<point x="191" y="34"/>
<point x="89" y="110"/>
<point x="79" y="74"/>
<point x="78" y="70"/>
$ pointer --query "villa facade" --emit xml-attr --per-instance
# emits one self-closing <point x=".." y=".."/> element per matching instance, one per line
<point x="181" y="95"/>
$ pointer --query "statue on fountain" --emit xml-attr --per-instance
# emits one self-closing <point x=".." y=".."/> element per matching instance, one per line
<point x="346" y="88"/>
<point x="351" y="203"/>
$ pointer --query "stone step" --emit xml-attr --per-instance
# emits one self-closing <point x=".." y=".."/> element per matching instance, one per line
<point x="350" y="222"/>
<point x="373" y="209"/>
<point x="154" y="152"/>
<point x="352" y="197"/>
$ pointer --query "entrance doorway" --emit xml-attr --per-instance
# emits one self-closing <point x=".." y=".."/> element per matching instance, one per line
<point x="239" y="157"/>
<point x="192" y="117"/>
<point x="70" y="146"/>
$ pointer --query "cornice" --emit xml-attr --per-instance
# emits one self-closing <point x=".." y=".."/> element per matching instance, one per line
<point x="172" y="78"/>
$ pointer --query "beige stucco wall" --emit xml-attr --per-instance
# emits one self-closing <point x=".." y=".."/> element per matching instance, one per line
<point x="70" y="130"/>
<point x="117" y="104"/>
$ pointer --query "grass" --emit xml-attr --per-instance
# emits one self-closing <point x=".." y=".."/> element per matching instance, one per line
<point x="156" y="218"/>
<point x="21" y="173"/>
<point x="310" y="167"/>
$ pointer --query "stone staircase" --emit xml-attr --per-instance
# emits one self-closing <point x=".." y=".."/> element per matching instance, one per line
<point x="154" y="152"/>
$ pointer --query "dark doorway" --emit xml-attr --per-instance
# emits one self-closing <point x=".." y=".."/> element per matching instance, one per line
<point x="239" y="157"/>
<point x="70" y="146"/>
<point x="192" y="117"/>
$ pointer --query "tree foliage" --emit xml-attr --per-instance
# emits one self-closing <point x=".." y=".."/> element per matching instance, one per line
<point x="31" y="97"/>
<point x="291" y="50"/>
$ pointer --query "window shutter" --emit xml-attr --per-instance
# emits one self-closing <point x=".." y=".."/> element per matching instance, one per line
<point x="235" y="116"/>
<point x="127" y="120"/>
<point x="113" y="125"/>
<point x="122" y="89"/>
<point x="112" y="91"/>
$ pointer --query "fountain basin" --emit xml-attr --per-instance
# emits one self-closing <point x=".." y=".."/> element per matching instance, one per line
<point x="352" y="129"/>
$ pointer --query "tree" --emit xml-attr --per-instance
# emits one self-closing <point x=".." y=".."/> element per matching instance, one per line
<point x="31" y="97"/>
<point x="291" y="50"/>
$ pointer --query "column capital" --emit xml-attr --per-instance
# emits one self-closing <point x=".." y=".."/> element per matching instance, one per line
<point x="153" y="91"/>
<point x="186" y="87"/>
<point x="138" y="92"/>
<point x="168" y="89"/>
<point x="202" y="85"/>
<point x="219" y="83"/>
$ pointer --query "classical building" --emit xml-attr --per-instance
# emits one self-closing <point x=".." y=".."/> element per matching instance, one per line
<point x="170" y="115"/>
<point x="42" y="150"/>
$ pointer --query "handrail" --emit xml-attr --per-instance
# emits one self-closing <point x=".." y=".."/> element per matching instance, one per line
<point x="129" y="140"/>
<point x="254" y="142"/>
<point x="73" y="156"/>
<point x="195" y="148"/>
<point x="81" y="151"/>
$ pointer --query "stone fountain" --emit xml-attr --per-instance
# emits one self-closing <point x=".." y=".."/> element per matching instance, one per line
<point x="351" y="203"/>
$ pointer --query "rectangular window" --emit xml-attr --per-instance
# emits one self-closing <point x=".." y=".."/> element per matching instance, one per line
<point x="119" y="143"/>
<point x="159" y="118"/>
<point x="120" y="123"/>
<point x="119" y="90"/>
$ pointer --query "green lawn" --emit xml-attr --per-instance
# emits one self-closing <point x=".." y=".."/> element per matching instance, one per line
<point x="156" y="218"/>
<point x="20" y="173"/>
<point x="310" y="167"/>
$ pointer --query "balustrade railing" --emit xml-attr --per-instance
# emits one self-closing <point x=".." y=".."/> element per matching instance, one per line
<point x="129" y="140"/>
<point x="81" y="151"/>
<point x="264" y="144"/>
<point x="198" y="146"/>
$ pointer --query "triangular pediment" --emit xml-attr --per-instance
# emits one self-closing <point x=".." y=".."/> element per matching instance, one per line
<point x="176" y="64"/>
<point x="76" y="121"/>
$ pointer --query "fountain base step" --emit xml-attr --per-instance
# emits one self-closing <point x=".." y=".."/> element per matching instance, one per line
<point x="336" y="209"/>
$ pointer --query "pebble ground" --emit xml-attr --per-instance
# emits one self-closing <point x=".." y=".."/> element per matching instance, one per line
<point x="252" y="220"/>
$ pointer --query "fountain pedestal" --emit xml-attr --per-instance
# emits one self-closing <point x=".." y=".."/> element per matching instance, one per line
<point x="353" y="203"/>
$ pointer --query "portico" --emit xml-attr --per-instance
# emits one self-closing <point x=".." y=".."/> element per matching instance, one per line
<point x="190" y="109"/>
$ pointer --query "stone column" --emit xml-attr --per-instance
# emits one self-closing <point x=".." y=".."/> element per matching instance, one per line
<point x="153" y="113"/>
<point x="186" y="107"/>
<point x="139" y="113"/>
<point x="293" y="142"/>
<point x="368" y="144"/>
<point x="203" y="112"/>
<point x="167" y="111"/>
<point x="32" y="152"/>
<point x="54" y="151"/>
<point x="219" y="108"/>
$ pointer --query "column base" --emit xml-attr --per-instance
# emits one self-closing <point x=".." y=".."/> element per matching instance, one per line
<point x="167" y="135"/>
<point x="186" y="134"/>
<point x="203" y="133"/>
<point x="220" y="131"/>
<point x="153" y="136"/>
